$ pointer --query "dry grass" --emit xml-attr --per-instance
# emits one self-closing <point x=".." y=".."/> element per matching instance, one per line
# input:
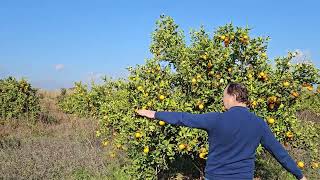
<point x="58" y="147"/>
<point x="307" y="115"/>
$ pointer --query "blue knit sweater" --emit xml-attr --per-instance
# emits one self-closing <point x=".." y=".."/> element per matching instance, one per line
<point x="233" y="138"/>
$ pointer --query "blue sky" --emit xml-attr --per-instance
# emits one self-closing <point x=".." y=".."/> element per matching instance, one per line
<point x="56" y="42"/>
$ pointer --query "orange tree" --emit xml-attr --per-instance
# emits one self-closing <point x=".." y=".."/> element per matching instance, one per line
<point x="84" y="102"/>
<point x="191" y="78"/>
<point x="18" y="100"/>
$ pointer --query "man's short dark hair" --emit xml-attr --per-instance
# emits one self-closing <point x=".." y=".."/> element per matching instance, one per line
<point x="239" y="90"/>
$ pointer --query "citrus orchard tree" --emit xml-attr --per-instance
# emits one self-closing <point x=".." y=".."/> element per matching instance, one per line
<point x="82" y="101"/>
<point x="18" y="100"/>
<point x="191" y="78"/>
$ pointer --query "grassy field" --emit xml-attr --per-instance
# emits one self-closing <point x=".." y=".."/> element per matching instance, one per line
<point x="59" y="146"/>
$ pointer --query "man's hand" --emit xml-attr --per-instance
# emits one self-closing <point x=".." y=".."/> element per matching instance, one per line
<point x="304" y="178"/>
<point x="146" y="113"/>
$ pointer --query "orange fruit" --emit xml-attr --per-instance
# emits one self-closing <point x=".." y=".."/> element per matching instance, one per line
<point x="270" y="120"/>
<point x="193" y="81"/>
<point x="182" y="146"/>
<point x="203" y="150"/>
<point x="289" y="134"/>
<point x="300" y="164"/>
<point x="202" y="155"/>
<point x="286" y="84"/>
<point x="310" y="88"/>
<point x="205" y="57"/>
<point x="161" y="97"/>
<point x="138" y="135"/>
<point x="105" y="143"/>
<point x="254" y="103"/>
<point x="226" y="42"/>
<point x="146" y="150"/>
<point x="140" y="88"/>
<point x="201" y="106"/>
<point x="295" y="94"/>
<point x="162" y="123"/>
<point x="272" y="99"/>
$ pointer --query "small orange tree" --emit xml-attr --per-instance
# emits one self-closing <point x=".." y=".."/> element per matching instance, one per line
<point x="18" y="100"/>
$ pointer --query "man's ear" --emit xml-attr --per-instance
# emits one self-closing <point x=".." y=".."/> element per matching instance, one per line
<point x="234" y="97"/>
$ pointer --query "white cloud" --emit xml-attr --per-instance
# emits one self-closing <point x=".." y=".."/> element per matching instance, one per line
<point x="59" y="67"/>
<point x="302" y="56"/>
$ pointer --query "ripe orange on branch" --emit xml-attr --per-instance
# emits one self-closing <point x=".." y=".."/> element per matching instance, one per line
<point x="201" y="106"/>
<point x="286" y="84"/>
<point x="203" y="150"/>
<point x="295" y="94"/>
<point x="289" y="134"/>
<point x="182" y="146"/>
<point x="194" y="80"/>
<point x="161" y="97"/>
<point x="140" y="88"/>
<point x="300" y="164"/>
<point x="138" y="135"/>
<point x="146" y="150"/>
<point x="202" y="155"/>
<point x="270" y="120"/>
<point x="272" y="99"/>
<point x="310" y="87"/>
<point x="162" y="123"/>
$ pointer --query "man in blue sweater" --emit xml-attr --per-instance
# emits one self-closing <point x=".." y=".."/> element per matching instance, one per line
<point x="233" y="137"/>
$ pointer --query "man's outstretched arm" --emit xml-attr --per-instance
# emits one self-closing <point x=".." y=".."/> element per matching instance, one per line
<point x="201" y="121"/>
<point x="277" y="150"/>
